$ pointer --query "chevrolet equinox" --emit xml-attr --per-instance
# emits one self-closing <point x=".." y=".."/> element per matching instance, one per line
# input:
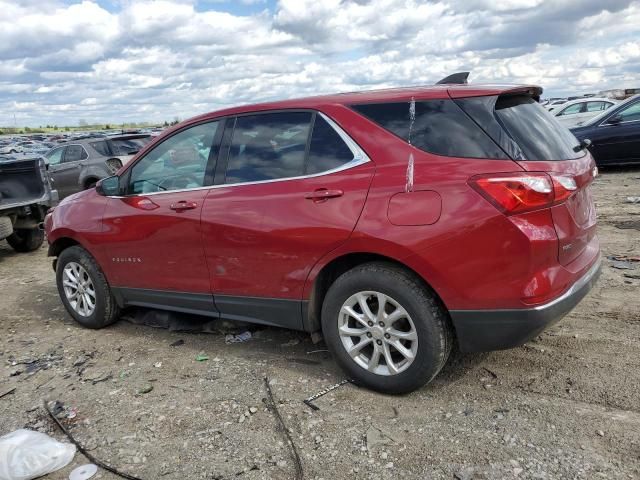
<point x="394" y="222"/>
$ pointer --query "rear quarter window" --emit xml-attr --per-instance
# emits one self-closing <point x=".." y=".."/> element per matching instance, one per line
<point x="440" y="127"/>
<point x="537" y="133"/>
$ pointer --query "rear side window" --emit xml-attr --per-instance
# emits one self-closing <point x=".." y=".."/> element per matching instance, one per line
<point x="537" y="133"/>
<point x="268" y="146"/>
<point x="74" y="153"/>
<point x="439" y="127"/>
<point x="327" y="150"/>
<point x="101" y="147"/>
<point x="573" y="109"/>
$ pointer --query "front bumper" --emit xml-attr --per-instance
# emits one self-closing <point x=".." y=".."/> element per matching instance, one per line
<point x="486" y="330"/>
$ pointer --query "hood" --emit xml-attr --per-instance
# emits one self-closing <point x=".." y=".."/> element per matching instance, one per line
<point x="79" y="196"/>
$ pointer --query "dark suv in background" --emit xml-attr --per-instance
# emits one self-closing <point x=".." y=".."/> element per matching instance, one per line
<point x="79" y="164"/>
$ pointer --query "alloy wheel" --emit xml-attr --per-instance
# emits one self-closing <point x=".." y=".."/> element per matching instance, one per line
<point x="378" y="333"/>
<point x="79" y="289"/>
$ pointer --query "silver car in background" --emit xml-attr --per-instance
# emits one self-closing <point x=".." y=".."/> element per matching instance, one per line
<point x="80" y="163"/>
<point x="575" y="112"/>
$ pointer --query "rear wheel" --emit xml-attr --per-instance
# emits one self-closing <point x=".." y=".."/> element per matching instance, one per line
<point x="385" y="328"/>
<point x="26" y="239"/>
<point x="84" y="290"/>
<point x="90" y="183"/>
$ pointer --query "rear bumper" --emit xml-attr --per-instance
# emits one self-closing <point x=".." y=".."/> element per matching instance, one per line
<point x="486" y="330"/>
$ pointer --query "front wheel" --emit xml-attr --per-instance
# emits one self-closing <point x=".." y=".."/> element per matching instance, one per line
<point x="385" y="328"/>
<point x="26" y="239"/>
<point x="84" y="290"/>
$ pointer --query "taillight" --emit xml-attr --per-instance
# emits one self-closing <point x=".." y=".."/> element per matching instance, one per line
<point x="514" y="193"/>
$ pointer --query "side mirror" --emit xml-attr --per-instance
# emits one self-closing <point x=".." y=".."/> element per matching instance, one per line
<point x="615" y="120"/>
<point x="108" y="187"/>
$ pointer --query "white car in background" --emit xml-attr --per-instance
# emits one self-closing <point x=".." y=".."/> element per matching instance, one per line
<point x="575" y="112"/>
<point x="11" y="148"/>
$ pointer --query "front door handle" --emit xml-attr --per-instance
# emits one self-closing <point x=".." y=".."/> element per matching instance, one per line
<point x="183" y="205"/>
<point x="323" y="194"/>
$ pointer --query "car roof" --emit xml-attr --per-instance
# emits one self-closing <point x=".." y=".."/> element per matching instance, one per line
<point x="380" y="96"/>
<point x="588" y="99"/>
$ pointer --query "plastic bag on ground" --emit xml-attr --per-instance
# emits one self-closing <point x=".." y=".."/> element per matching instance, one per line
<point x="25" y="454"/>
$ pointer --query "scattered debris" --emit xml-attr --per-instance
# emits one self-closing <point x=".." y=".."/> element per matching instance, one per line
<point x="318" y="351"/>
<point x="26" y="454"/>
<point x="290" y="343"/>
<point x="202" y="357"/>
<point x="239" y="338"/>
<point x="157" y="364"/>
<point x="628" y="225"/>
<point x="101" y="377"/>
<point x="376" y="437"/>
<point x="271" y="405"/>
<point x="8" y="392"/>
<point x="82" y="450"/>
<point x="322" y="393"/>
<point x="600" y="433"/>
<point x="622" y="265"/>
<point x="177" y="343"/>
<point x="83" y="472"/>
<point x="635" y="276"/>
<point x="493" y="374"/>
<point x="624" y="258"/>
<point x="145" y="389"/>
<point x="304" y="361"/>
<point x="633" y="200"/>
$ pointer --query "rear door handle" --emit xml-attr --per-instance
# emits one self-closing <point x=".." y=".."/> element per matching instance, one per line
<point x="183" y="205"/>
<point x="323" y="194"/>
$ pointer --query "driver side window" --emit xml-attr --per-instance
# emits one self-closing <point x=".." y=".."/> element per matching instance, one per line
<point x="177" y="163"/>
<point x="631" y="113"/>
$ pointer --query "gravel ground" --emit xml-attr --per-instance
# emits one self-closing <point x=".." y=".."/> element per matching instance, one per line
<point x="566" y="405"/>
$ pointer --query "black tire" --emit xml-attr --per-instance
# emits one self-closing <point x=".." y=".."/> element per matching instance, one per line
<point x="432" y="325"/>
<point x="6" y="227"/>
<point x="90" y="183"/>
<point x="106" y="309"/>
<point x="26" y="239"/>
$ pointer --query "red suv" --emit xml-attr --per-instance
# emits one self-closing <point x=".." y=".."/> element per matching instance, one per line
<point x="394" y="222"/>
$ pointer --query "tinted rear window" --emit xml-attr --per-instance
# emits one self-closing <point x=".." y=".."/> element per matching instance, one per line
<point x="327" y="149"/>
<point x="268" y="146"/>
<point x="101" y="147"/>
<point x="536" y="132"/>
<point x="440" y="127"/>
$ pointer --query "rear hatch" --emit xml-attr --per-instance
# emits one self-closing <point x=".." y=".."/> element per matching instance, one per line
<point x="539" y="143"/>
<point x="21" y="181"/>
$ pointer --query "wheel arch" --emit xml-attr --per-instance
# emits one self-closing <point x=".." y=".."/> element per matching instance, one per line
<point x="339" y="265"/>
<point x="60" y="244"/>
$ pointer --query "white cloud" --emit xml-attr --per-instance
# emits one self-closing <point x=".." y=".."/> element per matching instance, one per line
<point x="154" y="60"/>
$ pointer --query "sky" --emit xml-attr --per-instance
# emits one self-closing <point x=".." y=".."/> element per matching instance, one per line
<point x="114" y="61"/>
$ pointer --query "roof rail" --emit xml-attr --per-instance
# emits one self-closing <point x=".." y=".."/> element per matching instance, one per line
<point x="459" y="78"/>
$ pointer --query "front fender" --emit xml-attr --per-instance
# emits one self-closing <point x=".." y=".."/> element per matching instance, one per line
<point x="79" y="218"/>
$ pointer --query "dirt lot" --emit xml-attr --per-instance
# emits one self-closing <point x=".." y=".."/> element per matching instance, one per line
<point x="566" y="405"/>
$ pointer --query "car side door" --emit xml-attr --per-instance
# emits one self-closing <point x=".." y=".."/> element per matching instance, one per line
<point x="67" y="173"/>
<point x="153" y="233"/>
<point x="54" y="161"/>
<point x="616" y="140"/>
<point x="290" y="187"/>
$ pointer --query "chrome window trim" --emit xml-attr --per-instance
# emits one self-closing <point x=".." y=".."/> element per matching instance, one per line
<point x="359" y="158"/>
